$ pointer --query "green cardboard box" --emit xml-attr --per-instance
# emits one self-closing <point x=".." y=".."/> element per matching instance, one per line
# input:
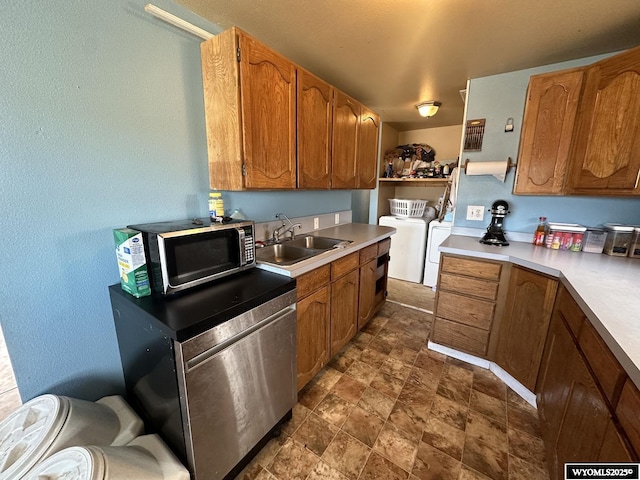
<point x="132" y="262"/>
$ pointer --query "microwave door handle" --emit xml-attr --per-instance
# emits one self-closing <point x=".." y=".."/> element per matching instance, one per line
<point x="242" y="247"/>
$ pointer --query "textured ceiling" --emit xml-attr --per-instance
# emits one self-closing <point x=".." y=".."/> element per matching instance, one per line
<point x="392" y="54"/>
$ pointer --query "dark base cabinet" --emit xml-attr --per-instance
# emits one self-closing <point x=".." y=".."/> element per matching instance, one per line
<point x="577" y="419"/>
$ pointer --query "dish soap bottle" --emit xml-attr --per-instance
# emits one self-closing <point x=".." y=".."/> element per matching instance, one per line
<point x="541" y="230"/>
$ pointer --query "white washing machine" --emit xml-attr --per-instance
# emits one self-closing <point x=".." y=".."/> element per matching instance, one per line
<point x="438" y="233"/>
<point x="406" y="257"/>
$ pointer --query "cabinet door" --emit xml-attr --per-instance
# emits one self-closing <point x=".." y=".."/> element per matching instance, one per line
<point x="344" y="310"/>
<point x="524" y="325"/>
<point x="268" y="97"/>
<point x="547" y="128"/>
<point x="346" y="121"/>
<point x="553" y="387"/>
<point x="614" y="446"/>
<point x="313" y="335"/>
<point x="605" y="158"/>
<point x="367" y="301"/>
<point x="315" y="117"/>
<point x="586" y="416"/>
<point x="367" y="167"/>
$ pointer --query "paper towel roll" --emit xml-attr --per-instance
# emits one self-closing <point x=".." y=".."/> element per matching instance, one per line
<point x="497" y="169"/>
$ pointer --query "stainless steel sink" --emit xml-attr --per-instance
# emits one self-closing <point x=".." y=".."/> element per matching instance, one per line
<point x="284" y="254"/>
<point x="290" y="252"/>
<point x="317" y="243"/>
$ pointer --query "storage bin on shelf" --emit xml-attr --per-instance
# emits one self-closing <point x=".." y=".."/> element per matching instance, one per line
<point x="565" y="236"/>
<point x="407" y="208"/>
<point x="594" y="240"/>
<point x="634" y="250"/>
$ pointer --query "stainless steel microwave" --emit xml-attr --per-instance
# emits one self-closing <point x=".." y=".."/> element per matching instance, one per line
<point x="186" y="253"/>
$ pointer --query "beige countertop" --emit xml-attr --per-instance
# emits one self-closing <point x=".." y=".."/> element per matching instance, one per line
<point x="360" y="234"/>
<point x="606" y="288"/>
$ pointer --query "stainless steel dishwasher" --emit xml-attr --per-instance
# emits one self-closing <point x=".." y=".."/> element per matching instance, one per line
<point x="212" y="371"/>
<point x="238" y="380"/>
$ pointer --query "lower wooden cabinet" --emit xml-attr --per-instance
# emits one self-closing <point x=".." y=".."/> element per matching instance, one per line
<point x="579" y="424"/>
<point x="313" y="334"/>
<point x="468" y="300"/>
<point x="335" y="301"/>
<point x="344" y="310"/>
<point x="524" y="325"/>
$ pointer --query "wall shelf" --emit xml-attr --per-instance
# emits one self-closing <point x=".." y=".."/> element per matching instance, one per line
<point x="415" y="182"/>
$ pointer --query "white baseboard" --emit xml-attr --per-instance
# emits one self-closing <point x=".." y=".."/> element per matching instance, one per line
<point x="511" y="382"/>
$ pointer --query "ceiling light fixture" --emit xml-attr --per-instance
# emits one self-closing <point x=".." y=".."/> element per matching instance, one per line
<point x="428" y="109"/>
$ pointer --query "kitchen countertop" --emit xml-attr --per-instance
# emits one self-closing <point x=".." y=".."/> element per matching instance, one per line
<point x="360" y="234"/>
<point x="606" y="288"/>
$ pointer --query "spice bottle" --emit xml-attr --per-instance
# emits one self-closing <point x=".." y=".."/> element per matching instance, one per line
<point x="541" y="230"/>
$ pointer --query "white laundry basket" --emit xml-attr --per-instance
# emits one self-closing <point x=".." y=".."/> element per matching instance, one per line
<point x="407" y="208"/>
<point x="145" y="458"/>
<point x="50" y="423"/>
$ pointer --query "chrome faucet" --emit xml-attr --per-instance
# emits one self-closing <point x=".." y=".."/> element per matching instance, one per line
<point x="284" y="228"/>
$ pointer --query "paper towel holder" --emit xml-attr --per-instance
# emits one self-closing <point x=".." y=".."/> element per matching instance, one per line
<point x="509" y="164"/>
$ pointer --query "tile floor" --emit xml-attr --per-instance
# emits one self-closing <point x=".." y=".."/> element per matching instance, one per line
<point x="387" y="408"/>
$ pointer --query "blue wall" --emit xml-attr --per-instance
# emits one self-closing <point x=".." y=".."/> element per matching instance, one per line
<point x="101" y="125"/>
<point x="497" y="98"/>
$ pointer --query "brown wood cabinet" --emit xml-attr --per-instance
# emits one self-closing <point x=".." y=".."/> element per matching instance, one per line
<point x="524" y="325"/>
<point x="273" y="125"/>
<point x="374" y="269"/>
<point x="335" y="301"/>
<point x="344" y="300"/>
<point x="604" y="156"/>
<point x="313" y="334"/>
<point x="346" y="124"/>
<point x="250" y="111"/>
<point x="581" y="130"/>
<point x="547" y="128"/>
<point x="367" y="165"/>
<point x="315" y="125"/>
<point x="466" y="303"/>
<point x="574" y="401"/>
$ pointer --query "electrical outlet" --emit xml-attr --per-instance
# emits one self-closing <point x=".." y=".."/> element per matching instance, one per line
<point x="475" y="212"/>
<point x="316" y="223"/>
<point x="337" y="218"/>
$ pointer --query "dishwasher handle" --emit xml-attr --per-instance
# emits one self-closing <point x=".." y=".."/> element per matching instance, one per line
<point x="207" y="354"/>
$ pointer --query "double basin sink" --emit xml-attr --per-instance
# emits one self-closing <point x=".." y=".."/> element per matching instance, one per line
<point x="289" y="252"/>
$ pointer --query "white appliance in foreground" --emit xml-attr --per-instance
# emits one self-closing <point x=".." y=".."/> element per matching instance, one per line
<point x="438" y="233"/>
<point x="406" y="257"/>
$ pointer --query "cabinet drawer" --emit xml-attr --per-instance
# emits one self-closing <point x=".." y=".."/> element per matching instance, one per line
<point x="368" y="253"/>
<point x="570" y="311"/>
<point x="469" y="286"/>
<point x="471" y="268"/>
<point x="461" y="337"/>
<point x="605" y="366"/>
<point x="344" y="265"/>
<point x="469" y="311"/>
<point x="313" y="280"/>
<point x="628" y="412"/>
<point x="384" y="246"/>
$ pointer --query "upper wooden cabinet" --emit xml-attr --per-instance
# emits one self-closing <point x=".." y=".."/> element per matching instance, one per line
<point x="315" y="125"/>
<point x="605" y="158"/>
<point x="367" y="164"/>
<point x="549" y="118"/>
<point x="250" y="110"/>
<point x="346" y="124"/>
<point x="272" y="125"/>
<point x="581" y="130"/>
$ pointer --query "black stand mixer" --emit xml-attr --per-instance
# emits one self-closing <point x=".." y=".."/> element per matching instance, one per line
<point x="495" y="234"/>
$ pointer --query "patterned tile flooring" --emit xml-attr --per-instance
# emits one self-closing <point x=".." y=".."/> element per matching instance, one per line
<point x="387" y="408"/>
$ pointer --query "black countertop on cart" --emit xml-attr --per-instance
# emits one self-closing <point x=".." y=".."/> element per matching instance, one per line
<point x="185" y="315"/>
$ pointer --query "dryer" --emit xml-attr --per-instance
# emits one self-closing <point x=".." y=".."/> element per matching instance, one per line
<point x="438" y="233"/>
<point x="406" y="256"/>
